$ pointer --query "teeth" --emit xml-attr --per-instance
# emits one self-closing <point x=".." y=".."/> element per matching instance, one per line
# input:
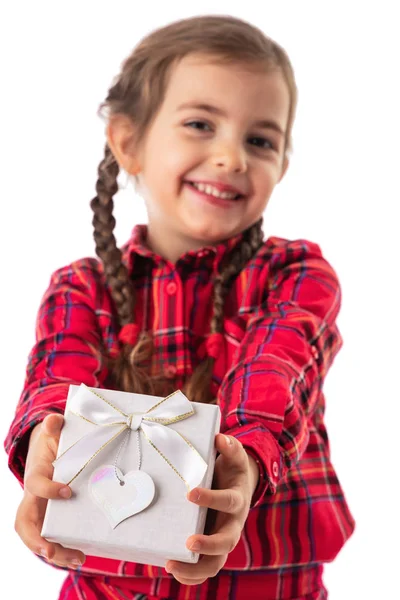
<point x="212" y="191"/>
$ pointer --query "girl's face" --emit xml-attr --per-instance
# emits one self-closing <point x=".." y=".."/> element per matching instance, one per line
<point x="224" y="144"/>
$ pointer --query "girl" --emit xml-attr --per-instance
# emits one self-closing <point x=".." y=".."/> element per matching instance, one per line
<point x="201" y="115"/>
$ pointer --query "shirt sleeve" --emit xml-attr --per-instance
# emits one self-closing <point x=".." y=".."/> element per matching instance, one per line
<point x="66" y="351"/>
<point x="272" y="390"/>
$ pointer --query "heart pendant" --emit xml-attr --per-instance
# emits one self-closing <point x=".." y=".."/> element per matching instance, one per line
<point x="120" y="501"/>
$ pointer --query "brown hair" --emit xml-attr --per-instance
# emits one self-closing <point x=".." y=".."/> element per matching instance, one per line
<point x="138" y="92"/>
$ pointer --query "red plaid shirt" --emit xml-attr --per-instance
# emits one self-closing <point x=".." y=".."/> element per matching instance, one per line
<point x="280" y="340"/>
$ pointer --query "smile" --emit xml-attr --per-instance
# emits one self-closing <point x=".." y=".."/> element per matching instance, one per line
<point x="224" y="200"/>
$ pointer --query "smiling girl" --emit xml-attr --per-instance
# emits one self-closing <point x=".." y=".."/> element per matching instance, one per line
<point x="201" y="116"/>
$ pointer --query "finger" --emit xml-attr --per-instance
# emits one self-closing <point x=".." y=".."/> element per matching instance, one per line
<point x="39" y="485"/>
<point x="229" y="501"/>
<point x="67" y="557"/>
<point x="52" y="552"/>
<point x="52" y="424"/>
<point x="190" y="581"/>
<point x="29" y="534"/>
<point x="38" y="474"/>
<point x="232" y="451"/>
<point x="219" y="543"/>
<point x="208" y="566"/>
<point x="49" y="435"/>
<point x="27" y="529"/>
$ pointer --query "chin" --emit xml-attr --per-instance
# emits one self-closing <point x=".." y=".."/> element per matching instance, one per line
<point x="211" y="231"/>
<point x="212" y="237"/>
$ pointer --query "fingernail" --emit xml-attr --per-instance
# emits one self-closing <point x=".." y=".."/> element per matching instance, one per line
<point x="65" y="492"/>
<point x="43" y="553"/>
<point x="228" y="440"/>
<point x="195" y="495"/>
<point x="195" y="546"/>
<point x="75" y="562"/>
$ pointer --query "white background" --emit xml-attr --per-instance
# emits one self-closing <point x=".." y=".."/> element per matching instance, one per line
<point x="341" y="191"/>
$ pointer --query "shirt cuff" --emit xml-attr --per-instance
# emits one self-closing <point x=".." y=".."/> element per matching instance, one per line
<point x="263" y="447"/>
<point x="17" y="447"/>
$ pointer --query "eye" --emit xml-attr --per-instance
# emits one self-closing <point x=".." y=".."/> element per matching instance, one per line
<point x="263" y="140"/>
<point x="260" y="139"/>
<point x="196" y="123"/>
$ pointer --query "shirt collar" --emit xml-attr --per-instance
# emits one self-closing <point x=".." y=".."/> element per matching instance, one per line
<point x="208" y="255"/>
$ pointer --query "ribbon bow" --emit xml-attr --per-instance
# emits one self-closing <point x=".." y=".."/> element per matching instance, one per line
<point x="172" y="446"/>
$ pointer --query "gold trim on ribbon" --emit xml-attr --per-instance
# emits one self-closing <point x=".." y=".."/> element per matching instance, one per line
<point x="166" y="460"/>
<point x="163" y="400"/>
<point x="97" y="425"/>
<point x="109" y="403"/>
<point x="168" y="420"/>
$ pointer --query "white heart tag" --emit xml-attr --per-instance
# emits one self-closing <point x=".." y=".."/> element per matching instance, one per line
<point x="117" y="501"/>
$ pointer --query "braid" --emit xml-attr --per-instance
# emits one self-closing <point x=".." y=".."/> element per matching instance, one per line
<point x="249" y="246"/>
<point x="127" y="375"/>
<point x="106" y="247"/>
<point x="198" y="388"/>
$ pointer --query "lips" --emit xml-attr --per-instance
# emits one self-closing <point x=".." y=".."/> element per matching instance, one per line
<point x="215" y="201"/>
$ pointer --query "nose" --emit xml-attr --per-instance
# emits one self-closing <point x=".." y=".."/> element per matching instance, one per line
<point x="231" y="157"/>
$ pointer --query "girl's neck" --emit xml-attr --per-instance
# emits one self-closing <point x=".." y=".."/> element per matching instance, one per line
<point x="173" y="249"/>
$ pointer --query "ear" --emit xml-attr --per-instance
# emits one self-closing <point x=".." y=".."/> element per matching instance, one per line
<point x="285" y="166"/>
<point x="120" y="138"/>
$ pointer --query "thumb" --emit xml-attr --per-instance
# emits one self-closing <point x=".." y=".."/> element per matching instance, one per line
<point x="232" y="451"/>
<point x="224" y="443"/>
<point x="227" y="445"/>
<point x="52" y="425"/>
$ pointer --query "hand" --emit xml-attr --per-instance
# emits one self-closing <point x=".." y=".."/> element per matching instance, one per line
<point x="38" y="488"/>
<point x="235" y="478"/>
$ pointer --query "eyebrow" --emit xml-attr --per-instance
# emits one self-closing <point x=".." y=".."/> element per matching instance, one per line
<point x="264" y="124"/>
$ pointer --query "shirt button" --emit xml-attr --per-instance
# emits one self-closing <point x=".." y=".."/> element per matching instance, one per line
<point x="171" y="288"/>
<point x="170" y="371"/>
<point x="275" y="469"/>
<point x="315" y="352"/>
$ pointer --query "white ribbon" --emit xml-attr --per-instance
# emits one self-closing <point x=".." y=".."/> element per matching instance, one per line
<point x="175" y="449"/>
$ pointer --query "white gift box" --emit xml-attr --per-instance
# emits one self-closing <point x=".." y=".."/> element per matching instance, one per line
<point x="159" y="532"/>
